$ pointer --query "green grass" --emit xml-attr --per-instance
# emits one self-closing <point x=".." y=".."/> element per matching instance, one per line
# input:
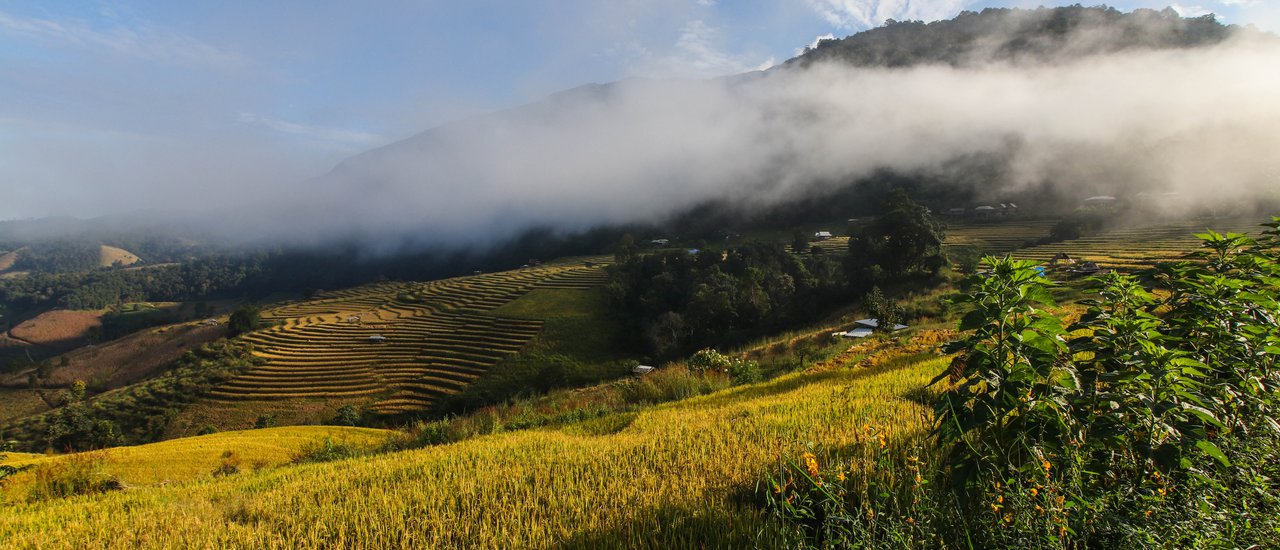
<point x="576" y="323"/>
<point x="580" y="344"/>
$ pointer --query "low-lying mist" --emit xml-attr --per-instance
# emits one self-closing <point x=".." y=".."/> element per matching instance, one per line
<point x="1199" y="122"/>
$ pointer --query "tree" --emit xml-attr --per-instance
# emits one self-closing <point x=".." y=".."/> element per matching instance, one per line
<point x="903" y="242"/>
<point x="244" y="319"/>
<point x="799" y="242"/>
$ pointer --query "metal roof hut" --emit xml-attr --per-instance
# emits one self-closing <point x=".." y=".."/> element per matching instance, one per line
<point x="377" y="338"/>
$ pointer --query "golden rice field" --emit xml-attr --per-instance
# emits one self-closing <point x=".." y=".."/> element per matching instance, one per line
<point x="403" y="345"/>
<point x="998" y="236"/>
<point x="672" y="476"/>
<point x="181" y="460"/>
<point x="993" y="236"/>
<point x="1139" y="247"/>
<point x="834" y="245"/>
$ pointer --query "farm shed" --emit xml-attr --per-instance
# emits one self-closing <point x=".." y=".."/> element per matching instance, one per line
<point x="642" y="370"/>
<point x="875" y="323"/>
<point x="856" y="333"/>
<point x="377" y="338"/>
<point x="822" y="235"/>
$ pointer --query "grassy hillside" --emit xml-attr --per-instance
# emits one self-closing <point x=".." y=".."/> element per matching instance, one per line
<point x="58" y="328"/>
<point x="671" y="476"/>
<point x="110" y="256"/>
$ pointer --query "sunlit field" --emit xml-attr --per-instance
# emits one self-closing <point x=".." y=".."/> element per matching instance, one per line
<point x="676" y="475"/>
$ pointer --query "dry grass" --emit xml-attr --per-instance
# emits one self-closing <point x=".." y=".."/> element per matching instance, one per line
<point x="18" y="403"/>
<point x="8" y="259"/>
<point x="109" y="255"/>
<point x="129" y="359"/>
<point x="59" y="327"/>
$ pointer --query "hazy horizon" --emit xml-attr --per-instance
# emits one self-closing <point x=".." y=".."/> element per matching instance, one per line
<point x="216" y="134"/>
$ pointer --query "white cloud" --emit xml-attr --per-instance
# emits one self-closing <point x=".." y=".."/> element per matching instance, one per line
<point x="862" y="14"/>
<point x="705" y="3"/>
<point x="815" y="42"/>
<point x="139" y="41"/>
<point x="1189" y="11"/>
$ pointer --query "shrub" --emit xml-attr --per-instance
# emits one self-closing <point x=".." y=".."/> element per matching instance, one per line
<point x="744" y="371"/>
<point x="328" y="450"/>
<point x="229" y="464"/>
<point x="265" y="421"/>
<point x="348" y="415"/>
<point x="708" y="360"/>
<point x="78" y="474"/>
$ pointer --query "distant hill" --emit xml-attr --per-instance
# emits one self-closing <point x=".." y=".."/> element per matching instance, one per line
<point x="1028" y="36"/>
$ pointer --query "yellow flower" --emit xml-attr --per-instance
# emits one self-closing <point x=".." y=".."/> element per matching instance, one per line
<point x="1034" y="491"/>
<point x="1045" y="464"/>
<point x="911" y="520"/>
<point x="1000" y="499"/>
<point x="1039" y="509"/>
<point x="811" y="464"/>
<point x="840" y="476"/>
<point x="919" y="479"/>
<point x="1008" y="518"/>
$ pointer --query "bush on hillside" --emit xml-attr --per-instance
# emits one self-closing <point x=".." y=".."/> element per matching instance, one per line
<point x="79" y="474"/>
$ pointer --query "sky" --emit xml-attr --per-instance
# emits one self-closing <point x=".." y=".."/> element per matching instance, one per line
<point x="112" y="106"/>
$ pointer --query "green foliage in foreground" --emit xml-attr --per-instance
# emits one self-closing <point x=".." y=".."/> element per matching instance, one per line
<point x="1149" y="422"/>
<point x="137" y="414"/>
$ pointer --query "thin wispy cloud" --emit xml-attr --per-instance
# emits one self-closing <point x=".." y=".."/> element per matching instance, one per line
<point x="862" y="14"/>
<point x="336" y="135"/>
<point x="141" y="41"/>
<point x="697" y="53"/>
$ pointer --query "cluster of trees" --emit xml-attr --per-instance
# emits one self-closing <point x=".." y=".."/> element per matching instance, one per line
<point x="58" y="257"/>
<point x="101" y="289"/>
<point x="138" y="414"/>
<point x="679" y="301"/>
<point x="903" y="243"/>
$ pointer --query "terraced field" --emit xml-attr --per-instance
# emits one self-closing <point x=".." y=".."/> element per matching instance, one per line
<point x="1139" y="247"/>
<point x="402" y="345"/>
<point x="834" y="245"/>
<point x="1000" y="236"/>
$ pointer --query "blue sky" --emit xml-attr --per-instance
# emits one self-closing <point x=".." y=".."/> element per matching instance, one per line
<point x="100" y="100"/>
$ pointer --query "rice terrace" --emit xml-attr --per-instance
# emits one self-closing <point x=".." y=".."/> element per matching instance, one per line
<point x="825" y="274"/>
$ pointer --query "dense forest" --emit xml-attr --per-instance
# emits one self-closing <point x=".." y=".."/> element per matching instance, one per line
<point x="678" y="301"/>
